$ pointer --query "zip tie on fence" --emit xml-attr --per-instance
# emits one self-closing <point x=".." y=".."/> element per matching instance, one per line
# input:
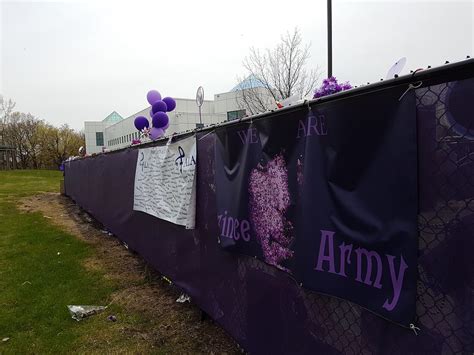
<point x="416" y="71"/>
<point x="414" y="328"/>
<point x="410" y="87"/>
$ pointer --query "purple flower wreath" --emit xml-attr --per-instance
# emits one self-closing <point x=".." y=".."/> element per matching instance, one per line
<point x="331" y="86"/>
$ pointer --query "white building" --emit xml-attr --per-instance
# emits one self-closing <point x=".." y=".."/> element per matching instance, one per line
<point x="115" y="132"/>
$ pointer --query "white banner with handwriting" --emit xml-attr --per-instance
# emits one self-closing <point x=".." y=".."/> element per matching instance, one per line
<point x="165" y="182"/>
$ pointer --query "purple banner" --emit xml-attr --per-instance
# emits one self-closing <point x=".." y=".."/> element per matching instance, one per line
<point x="328" y="195"/>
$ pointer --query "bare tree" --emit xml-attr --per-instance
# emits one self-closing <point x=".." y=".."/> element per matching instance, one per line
<point x="62" y="143"/>
<point x="276" y="74"/>
<point x="6" y="109"/>
<point x="14" y="136"/>
<point x="32" y="139"/>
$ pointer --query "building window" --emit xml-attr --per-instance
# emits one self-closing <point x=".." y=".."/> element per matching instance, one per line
<point x="235" y="115"/>
<point x="99" y="138"/>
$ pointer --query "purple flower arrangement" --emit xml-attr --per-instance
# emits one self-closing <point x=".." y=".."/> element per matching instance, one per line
<point x="331" y="86"/>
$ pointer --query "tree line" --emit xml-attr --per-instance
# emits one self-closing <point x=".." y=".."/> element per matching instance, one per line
<point x="38" y="145"/>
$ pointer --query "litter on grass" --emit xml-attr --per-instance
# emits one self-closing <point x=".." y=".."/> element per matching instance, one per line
<point x="183" y="298"/>
<point x="166" y="279"/>
<point x="80" y="312"/>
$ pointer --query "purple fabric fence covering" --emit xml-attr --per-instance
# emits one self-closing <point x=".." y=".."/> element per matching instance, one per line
<point x="261" y="306"/>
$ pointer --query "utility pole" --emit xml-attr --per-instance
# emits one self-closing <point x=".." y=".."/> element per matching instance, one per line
<point x="329" y="38"/>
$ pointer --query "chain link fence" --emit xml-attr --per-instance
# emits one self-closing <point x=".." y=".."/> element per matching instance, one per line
<point x="268" y="312"/>
<point x="445" y="290"/>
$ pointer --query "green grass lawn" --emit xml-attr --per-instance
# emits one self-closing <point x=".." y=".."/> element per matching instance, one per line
<point x="36" y="283"/>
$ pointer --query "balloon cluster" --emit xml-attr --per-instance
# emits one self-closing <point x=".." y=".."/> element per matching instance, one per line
<point x="159" y="118"/>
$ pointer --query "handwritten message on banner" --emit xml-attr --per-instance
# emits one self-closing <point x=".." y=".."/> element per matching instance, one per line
<point x="165" y="182"/>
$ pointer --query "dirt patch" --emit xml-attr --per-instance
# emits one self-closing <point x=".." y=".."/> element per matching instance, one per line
<point x="177" y="327"/>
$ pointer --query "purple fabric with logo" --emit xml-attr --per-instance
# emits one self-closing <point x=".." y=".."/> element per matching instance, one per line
<point x="261" y="306"/>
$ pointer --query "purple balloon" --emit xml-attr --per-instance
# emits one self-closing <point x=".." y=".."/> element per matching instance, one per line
<point x="156" y="133"/>
<point x="153" y="96"/>
<point x="170" y="103"/>
<point x="151" y="113"/>
<point x="166" y="127"/>
<point x="141" y="122"/>
<point x="160" y="120"/>
<point x="159" y="106"/>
